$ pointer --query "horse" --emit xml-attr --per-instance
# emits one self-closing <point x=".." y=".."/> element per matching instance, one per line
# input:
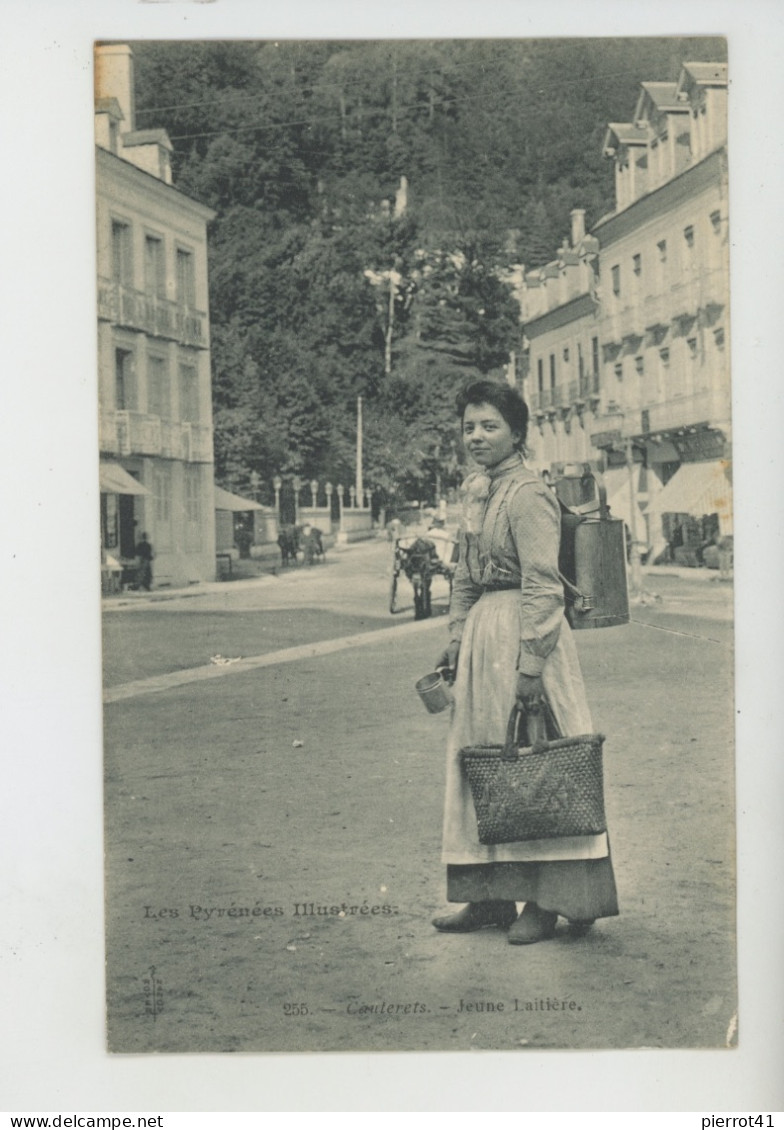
<point x="288" y="540"/>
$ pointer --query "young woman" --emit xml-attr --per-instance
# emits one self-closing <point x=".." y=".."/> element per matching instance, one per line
<point x="510" y="642"/>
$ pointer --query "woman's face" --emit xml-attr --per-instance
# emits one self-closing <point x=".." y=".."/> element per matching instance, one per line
<point x="487" y="436"/>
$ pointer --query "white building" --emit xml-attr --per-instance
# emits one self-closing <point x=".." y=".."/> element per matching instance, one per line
<point x="562" y="359"/>
<point x="153" y="342"/>
<point x="660" y="316"/>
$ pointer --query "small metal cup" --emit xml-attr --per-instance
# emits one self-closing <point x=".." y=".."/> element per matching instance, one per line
<point x="434" y="692"/>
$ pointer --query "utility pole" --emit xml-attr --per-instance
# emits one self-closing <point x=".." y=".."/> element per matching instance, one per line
<point x="390" y="325"/>
<point x="359" y="485"/>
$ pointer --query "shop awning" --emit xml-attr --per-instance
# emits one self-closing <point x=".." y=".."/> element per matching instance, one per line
<point x="225" y="500"/>
<point x="114" y="479"/>
<point x="697" y="489"/>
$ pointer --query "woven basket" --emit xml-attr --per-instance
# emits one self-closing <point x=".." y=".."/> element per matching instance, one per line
<point x="553" y="789"/>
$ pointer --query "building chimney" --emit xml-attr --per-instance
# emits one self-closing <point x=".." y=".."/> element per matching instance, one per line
<point x="114" y="79"/>
<point x="578" y="225"/>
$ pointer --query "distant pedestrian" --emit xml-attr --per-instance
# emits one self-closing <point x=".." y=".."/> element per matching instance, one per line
<point x="144" y="558"/>
<point x="288" y="540"/>
<point x="676" y="539"/>
<point x="312" y="544"/>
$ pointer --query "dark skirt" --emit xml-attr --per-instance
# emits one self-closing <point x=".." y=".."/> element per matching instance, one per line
<point x="574" y="888"/>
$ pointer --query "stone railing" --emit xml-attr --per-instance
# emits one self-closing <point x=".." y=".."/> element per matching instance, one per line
<point x="707" y="406"/>
<point x="158" y="317"/>
<point x="123" y="432"/>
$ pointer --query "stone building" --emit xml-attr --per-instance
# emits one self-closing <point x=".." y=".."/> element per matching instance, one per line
<point x="652" y="328"/>
<point x="153" y="342"/>
<point x="562" y="352"/>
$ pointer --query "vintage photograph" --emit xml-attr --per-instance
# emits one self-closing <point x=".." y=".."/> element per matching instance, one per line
<point x="416" y="544"/>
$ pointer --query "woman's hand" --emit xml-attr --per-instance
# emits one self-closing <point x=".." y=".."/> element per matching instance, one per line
<point x="447" y="661"/>
<point x="529" y="689"/>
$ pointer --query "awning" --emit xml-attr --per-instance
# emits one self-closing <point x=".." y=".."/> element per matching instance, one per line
<point x="225" y="500"/>
<point x="697" y="489"/>
<point x="114" y="479"/>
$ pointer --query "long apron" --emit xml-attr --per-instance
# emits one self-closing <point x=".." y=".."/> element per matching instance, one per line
<point x="570" y="874"/>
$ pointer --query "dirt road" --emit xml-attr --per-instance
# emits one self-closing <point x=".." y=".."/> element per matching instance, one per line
<point x="273" y="835"/>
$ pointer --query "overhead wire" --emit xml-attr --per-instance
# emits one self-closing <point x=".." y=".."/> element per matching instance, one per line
<point x="369" y="112"/>
<point x="364" y="114"/>
<point x="349" y="82"/>
<point x="553" y="46"/>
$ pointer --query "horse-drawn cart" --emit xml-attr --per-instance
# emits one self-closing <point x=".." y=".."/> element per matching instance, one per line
<point x="418" y="559"/>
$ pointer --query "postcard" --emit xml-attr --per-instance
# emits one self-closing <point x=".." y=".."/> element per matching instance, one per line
<point x="272" y="808"/>
<point x="279" y="353"/>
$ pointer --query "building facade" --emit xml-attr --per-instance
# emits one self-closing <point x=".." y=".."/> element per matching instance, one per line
<point x="562" y="351"/>
<point x="659" y="418"/>
<point x="153" y="343"/>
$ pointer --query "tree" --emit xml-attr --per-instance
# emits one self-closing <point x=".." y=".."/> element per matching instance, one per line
<point x="319" y="291"/>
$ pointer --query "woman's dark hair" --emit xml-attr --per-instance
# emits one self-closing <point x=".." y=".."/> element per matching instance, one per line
<point x="504" y="399"/>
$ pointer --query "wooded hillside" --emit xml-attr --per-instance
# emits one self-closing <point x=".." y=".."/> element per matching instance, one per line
<point x="320" y="288"/>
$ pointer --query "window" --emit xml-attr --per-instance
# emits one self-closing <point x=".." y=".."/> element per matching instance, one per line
<point x="186" y="279"/>
<point x="552" y="370"/>
<point x="595" y="357"/>
<point x="189" y="393"/>
<point x="540" y="375"/>
<point x="193" y="494"/>
<point x="154" y="267"/>
<point x="661" y="247"/>
<point x="718" y="337"/>
<point x="616" y="280"/>
<point x="715" y="219"/>
<point x="637" y="264"/>
<point x="122" y="264"/>
<point x="162" y="502"/>
<point x="124" y="380"/>
<point x="618" y="370"/>
<point x="688" y="235"/>
<point x="193" y="509"/>
<point x="639" y="365"/>
<point x="566" y="355"/>
<point x="664" y="355"/>
<point x="692" y="344"/>
<point x="158" y="391"/>
<point x="110" y="524"/>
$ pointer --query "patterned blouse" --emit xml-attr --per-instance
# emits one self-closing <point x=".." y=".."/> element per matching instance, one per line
<point x="509" y="538"/>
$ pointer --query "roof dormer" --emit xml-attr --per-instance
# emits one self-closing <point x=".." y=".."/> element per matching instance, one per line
<point x="149" y="149"/>
<point x="702" y="90"/>
<point x="108" y="115"/>
<point x="627" y="144"/>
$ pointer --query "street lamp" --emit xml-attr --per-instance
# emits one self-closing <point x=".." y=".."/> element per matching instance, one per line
<point x="277" y="483"/>
<point x="255" y="480"/>
<point x="328" y="492"/>
<point x="296" y="482"/>
<point x="314" y="491"/>
<point x="352" y="494"/>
